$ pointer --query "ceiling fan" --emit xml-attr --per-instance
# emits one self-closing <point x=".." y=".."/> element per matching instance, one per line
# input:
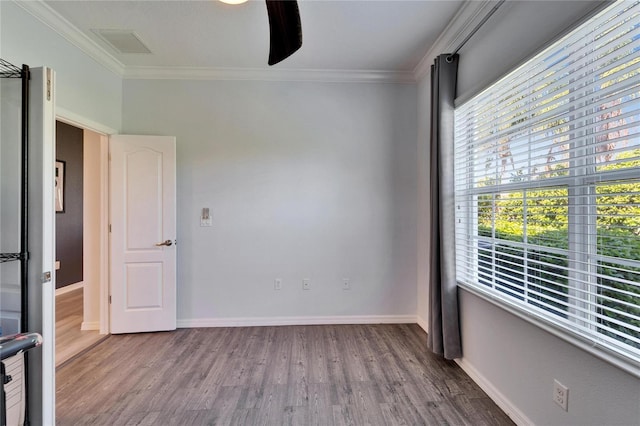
<point x="285" y="29"/>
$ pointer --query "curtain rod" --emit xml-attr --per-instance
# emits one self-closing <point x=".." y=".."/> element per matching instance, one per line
<point x="475" y="30"/>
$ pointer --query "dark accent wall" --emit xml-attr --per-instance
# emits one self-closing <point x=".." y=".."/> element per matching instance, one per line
<point x="69" y="148"/>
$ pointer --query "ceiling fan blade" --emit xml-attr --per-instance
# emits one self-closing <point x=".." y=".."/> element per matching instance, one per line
<point x="285" y="29"/>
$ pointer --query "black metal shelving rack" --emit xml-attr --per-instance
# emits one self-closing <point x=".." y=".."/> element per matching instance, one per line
<point x="8" y="70"/>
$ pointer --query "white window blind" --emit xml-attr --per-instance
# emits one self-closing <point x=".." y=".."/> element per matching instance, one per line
<point x="548" y="184"/>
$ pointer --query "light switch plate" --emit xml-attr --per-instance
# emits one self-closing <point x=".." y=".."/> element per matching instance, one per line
<point x="205" y="217"/>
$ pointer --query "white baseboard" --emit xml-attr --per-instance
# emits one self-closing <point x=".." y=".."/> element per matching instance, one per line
<point x="275" y="321"/>
<point x="500" y="399"/>
<point x="69" y="288"/>
<point x="423" y="324"/>
<point x="90" y="325"/>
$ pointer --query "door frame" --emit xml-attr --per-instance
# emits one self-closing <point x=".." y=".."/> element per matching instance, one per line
<point x="77" y="120"/>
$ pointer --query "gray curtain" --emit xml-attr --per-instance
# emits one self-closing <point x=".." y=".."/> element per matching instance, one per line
<point x="444" y="325"/>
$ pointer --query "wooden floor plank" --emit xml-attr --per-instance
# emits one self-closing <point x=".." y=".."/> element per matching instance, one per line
<point x="353" y="356"/>
<point x="317" y="355"/>
<point x="335" y="356"/>
<point x="70" y="339"/>
<point x="294" y="375"/>
<point x="225" y="404"/>
<point x="277" y="371"/>
<point x="392" y="415"/>
<point x="319" y="404"/>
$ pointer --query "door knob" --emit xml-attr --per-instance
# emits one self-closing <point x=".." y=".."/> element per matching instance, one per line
<point x="165" y="243"/>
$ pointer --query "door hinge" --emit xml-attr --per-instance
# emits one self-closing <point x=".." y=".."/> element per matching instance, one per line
<point x="48" y="84"/>
<point x="109" y="299"/>
<point x="109" y="227"/>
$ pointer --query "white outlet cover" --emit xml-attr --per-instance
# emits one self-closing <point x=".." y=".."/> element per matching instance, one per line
<point x="561" y="395"/>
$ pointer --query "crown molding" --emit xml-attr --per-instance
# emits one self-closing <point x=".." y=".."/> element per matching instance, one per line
<point x="273" y="74"/>
<point x="71" y="33"/>
<point x="464" y="21"/>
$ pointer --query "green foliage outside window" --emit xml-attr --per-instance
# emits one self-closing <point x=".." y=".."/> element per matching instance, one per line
<point x="502" y="217"/>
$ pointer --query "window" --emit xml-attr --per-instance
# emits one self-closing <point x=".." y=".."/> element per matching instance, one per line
<point x="548" y="184"/>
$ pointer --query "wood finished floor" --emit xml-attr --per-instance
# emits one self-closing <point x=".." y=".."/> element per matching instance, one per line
<point x="70" y="340"/>
<point x="294" y="375"/>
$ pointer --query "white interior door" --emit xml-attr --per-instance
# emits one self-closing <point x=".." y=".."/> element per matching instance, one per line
<point x="143" y="231"/>
<point x="41" y="289"/>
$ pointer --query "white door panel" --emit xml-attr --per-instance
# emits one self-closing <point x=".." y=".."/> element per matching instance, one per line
<point x="41" y="296"/>
<point x="143" y="273"/>
<point x="143" y="171"/>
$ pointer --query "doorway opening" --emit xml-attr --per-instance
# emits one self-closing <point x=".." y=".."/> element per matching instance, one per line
<point x="80" y="240"/>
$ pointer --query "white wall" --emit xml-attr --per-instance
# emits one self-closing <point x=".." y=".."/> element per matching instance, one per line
<point x="513" y="360"/>
<point x="304" y="180"/>
<point x="521" y="361"/>
<point x="84" y="87"/>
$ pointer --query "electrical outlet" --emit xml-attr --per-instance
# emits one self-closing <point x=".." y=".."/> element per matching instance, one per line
<point x="277" y="284"/>
<point x="306" y="284"/>
<point x="346" y="284"/>
<point x="561" y="395"/>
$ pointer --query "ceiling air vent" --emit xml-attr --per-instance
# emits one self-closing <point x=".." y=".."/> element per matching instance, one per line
<point x="122" y="41"/>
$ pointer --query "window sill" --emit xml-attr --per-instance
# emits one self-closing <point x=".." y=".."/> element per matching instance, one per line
<point x="618" y="360"/>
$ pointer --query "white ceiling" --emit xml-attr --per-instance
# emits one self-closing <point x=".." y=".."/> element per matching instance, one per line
<point x="347" y="35"/>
